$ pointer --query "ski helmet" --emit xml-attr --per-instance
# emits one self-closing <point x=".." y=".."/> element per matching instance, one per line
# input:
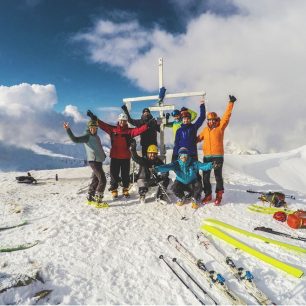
<point x="185" y="114"/>
<point x="212" y="116"/>
<point x="152" y="149"/>
<point x="122" y="116"/>
<point x="92" y="123"/>
<point x="176" y="112"/>
<point x="280" y="216"/>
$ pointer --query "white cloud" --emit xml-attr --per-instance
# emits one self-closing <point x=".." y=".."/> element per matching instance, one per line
<point x="27" y="115"/>
<point x="257" y="54"/>
<point x="72" y="111"/>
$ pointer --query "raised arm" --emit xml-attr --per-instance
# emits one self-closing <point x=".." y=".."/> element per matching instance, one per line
<point x="102" y="125"/>
<point x="193" y="114"/>
<point x="80" y="139"/>
<point x="228" y="112"/>
<point x="135" y="122"/>
<point x="202" y="116"/>
<point x="165" y="168"/>
<point x="136" y="158"/>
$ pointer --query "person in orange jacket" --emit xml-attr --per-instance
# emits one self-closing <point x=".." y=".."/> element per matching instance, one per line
<point x="213" y="150"/>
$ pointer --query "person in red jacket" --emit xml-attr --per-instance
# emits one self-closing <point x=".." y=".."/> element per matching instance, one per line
<point x="120" y="154"/>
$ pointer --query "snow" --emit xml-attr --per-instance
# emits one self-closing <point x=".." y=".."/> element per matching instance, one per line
<point x="110" y="256"/>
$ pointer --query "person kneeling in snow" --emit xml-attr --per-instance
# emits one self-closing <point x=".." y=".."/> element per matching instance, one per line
<point x="146" y="176"/>
<point x="95" y="157"/>
<point x="186" y="170"/>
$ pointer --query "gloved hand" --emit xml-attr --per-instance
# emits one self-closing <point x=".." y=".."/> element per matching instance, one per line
<point x="133" y="144"/>
<point x="92" y="116"/>
<point x="232" y="98"/>
<point x="152" y="123"/>
<point x="125" y="109"/>
<point x="167" y="116"/>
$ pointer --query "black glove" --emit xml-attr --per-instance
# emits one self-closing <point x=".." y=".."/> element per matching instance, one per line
<point x="167" y="116"/>
<point x="92" y="116"/>
<point x="124" y="108"/>
<point x="152" y="123"/>
<point x="232" y="98"/>
<point x="133" y="144"/>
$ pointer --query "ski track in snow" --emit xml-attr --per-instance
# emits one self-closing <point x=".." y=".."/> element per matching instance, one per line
<point x="110" y="256"/>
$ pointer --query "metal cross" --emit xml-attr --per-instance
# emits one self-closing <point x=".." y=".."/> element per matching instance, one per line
<point x="160" y="106"/>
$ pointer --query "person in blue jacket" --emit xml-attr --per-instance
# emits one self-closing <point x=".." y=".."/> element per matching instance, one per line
<point x="186" y="135"/>
<point x="186" y="170"/>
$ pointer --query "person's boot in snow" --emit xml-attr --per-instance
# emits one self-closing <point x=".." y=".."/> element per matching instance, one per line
<point x="90" y="198"/>
<point x="218" y="197"/>
<point x="194" y="204"/>
<point x="114" y="193"/>
<point x="179" y="202"/>
<point x="207" y="199"/>
<point x="125" y="192"/>
<point x="142" y="199"/>
<point x="99" y="201"/>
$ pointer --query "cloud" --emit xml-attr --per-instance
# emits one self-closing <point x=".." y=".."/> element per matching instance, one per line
<point x="27" y="115"/>
<point x="256" y="53"/>
<point x="72" y="111"/>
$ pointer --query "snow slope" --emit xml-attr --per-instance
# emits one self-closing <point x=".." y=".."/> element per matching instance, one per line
<point x="110" y="256"/>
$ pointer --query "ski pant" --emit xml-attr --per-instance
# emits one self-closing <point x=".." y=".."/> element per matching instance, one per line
<point x="117" y="167"/>
<point x="144" y="184"/>
<point x="98" y="179"/>
<point x="218" y="164"/>
<point x="194" y="189"/>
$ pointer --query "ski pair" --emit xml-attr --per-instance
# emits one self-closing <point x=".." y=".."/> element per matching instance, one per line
<point x="244" y="277"/>
<point x="268" y="210"/>
<point x="215" y="279"/>
<point x="189" y="276"/>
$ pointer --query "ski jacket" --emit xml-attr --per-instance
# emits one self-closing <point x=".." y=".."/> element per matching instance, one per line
<point x="185" y="172"/>
<point x="92" y="144"/>
<point x="186" y="135"/>
<point x="176" y="124"/>
<point x="120" y="138"/>
<point x="146" y="165"/>
<point x="150" y="135"/>
<point x="213" y="138"/>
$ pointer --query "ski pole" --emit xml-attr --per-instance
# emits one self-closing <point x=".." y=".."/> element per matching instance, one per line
<point x="271" y="231"/>
<point x="165" y="192"/>
<point x="199" y="286"/>
<point x="288" y="196"/>
<point x="195" y="295"/>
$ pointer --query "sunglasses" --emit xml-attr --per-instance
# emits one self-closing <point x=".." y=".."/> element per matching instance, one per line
<point x="183" y="155"/>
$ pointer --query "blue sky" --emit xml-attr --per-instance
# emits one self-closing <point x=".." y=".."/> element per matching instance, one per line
<point x="60" y="57"/>
<point x="37" y="45"/>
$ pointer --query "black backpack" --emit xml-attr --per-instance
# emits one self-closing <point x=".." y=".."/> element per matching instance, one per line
<point x="276" y="199"/>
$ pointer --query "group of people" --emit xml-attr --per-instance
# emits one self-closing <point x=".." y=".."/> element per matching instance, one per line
<point x="188" y="184"/>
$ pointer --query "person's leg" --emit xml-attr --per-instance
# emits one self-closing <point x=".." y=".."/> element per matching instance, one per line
<point x="178" y="189"/>
<point x="142" y="187"/>
<point x="114" y="173"/>
<point x="195" y="188"/>
<point x="206" y="178"/>
<point x="125" y="176"/>
<point x="218" y="161"/>
<point x="98" y="170"/>
<point x="94" y="182"/>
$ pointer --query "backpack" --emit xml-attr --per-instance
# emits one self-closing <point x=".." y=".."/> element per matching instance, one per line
<point x="276" y="199"/>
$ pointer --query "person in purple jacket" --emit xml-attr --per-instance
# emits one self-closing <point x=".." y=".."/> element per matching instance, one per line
<point x="186" y="135"/>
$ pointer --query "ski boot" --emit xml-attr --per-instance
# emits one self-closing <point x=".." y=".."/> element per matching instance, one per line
<point x="125" y="192"/>
<point x="114" y="193"/>
<point x="99" y="203"/>
<point x="218" y="198"/>
<point x="206" y="199"/>
<point x="90" y="199"/>
<point x="188" y="196"/>
<point x="180" y="202"/>
<point x="162" y="199"/>
<point x="194" y="204"/>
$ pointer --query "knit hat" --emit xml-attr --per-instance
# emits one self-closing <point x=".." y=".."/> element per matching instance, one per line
<point x="146" y="110"/>
<point x="92" y="123"/>
<point x="183" y="150"/>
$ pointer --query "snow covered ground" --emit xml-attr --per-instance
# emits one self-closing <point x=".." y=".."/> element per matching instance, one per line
<point x="111" y="256"/>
